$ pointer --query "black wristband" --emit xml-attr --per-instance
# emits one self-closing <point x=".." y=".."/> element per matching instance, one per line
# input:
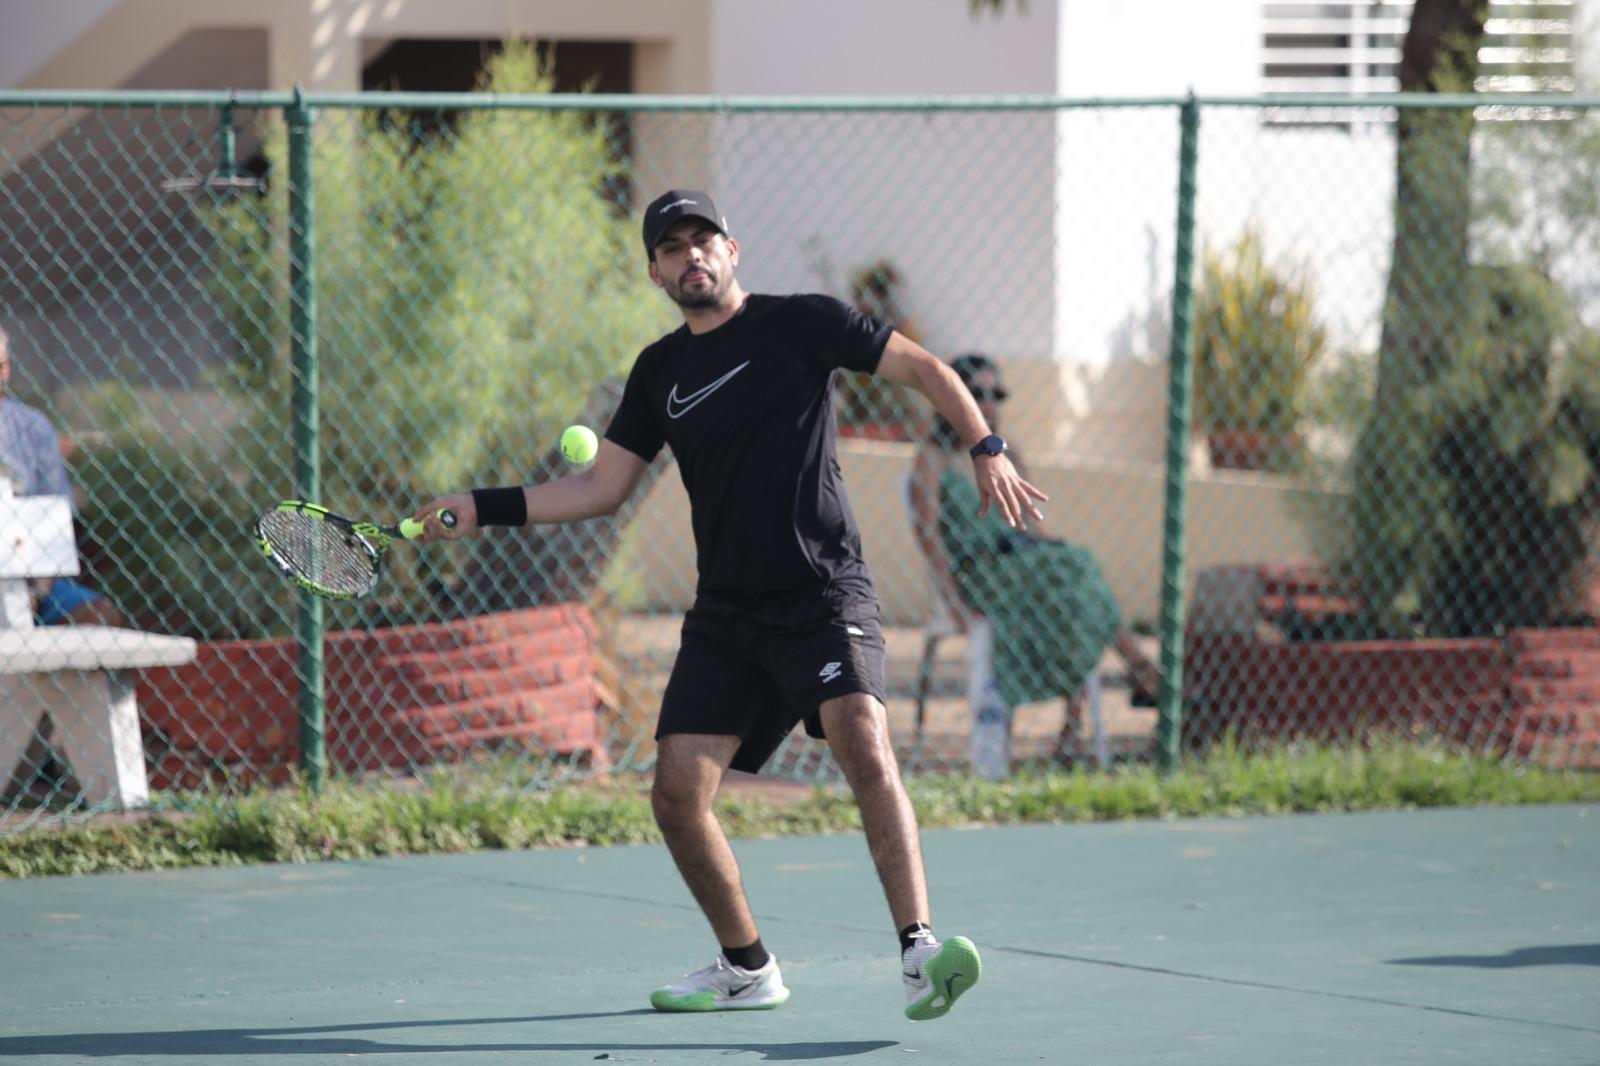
<point x="501" y="507"/>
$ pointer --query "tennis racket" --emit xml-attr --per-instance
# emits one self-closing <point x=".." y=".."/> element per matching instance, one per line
<point x="329" y="554"/>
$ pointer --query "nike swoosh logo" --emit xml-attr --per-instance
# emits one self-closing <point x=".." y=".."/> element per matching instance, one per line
<point x="735" y="991"/>
<point x="678" y="406"/>
<point x="915" y="975"/>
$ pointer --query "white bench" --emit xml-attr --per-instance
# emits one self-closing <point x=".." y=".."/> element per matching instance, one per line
<point x="78" y="676"/>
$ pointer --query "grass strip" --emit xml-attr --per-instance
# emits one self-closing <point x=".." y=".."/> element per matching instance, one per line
<point x="457" y="811"/>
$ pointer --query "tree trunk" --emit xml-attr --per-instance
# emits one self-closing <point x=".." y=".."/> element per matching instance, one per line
<point x="1428" y="278"/>
<point x="1426" y="311"/>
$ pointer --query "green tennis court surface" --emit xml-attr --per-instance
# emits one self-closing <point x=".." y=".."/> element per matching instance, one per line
<point x="1464" y="936"/>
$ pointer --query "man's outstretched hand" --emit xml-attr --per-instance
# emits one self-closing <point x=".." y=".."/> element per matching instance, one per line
<point x="1000" y="484"/>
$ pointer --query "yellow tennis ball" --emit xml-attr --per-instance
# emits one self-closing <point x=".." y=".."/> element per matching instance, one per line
<point x="579" y="444"/>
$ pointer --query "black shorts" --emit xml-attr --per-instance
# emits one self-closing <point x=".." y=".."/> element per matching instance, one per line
<point x="755" y="675"/>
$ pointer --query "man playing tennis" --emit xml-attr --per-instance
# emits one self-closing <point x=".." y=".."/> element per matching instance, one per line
<point x="784" y="628"/>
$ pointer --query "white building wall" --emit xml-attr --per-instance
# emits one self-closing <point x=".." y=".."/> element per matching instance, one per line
<point x="1116" y="186"/>
<point x="1121" y="48"/>
<point x="958" y="203"/>
<point x="881" y="48"/>
<point x="1051" y="235"/>
<point x="1117" y="170"/>
<point x="1321" y="199"/>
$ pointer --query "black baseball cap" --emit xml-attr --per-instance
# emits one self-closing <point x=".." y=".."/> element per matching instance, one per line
<point x="673" y="206"/>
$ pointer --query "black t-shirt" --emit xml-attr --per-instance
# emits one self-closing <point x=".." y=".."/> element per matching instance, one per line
<point x="748" y="412"/>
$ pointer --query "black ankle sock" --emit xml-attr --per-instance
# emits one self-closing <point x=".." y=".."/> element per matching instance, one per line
<point x="911" y="934"/>
<point x="747" y="958"/>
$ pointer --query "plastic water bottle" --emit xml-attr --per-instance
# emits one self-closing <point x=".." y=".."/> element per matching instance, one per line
<point x="991" y="735"/>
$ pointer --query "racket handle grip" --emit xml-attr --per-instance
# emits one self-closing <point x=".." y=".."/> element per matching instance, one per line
<point x="410" y="528"/>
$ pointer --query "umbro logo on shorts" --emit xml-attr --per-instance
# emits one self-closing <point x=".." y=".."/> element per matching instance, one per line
<point x="830" y="672"/>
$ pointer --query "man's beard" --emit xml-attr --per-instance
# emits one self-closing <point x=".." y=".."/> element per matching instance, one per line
<point x="708" y="296"/>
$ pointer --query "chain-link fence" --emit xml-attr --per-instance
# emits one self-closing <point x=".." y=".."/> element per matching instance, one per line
<point x="1370" y="519"/>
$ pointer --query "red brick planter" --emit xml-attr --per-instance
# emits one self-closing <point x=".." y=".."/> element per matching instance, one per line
<point x="1553" y="693"/>
<point x="1534" y="695"/>
<point x="397" y="698"/>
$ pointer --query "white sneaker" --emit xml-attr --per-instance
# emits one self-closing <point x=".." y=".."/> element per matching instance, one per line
<point x="937" y="974"/>
<point x="724" y="986"/>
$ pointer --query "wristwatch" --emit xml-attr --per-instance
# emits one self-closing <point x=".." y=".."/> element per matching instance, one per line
<point x="989" y="447"/>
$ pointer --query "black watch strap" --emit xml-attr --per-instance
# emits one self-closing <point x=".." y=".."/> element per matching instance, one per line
<point x="992" y="445"/>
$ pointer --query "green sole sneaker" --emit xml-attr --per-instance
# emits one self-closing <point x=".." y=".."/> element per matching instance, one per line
<point x="951" y="969"/>
<point x="706" y="1001"/>
<point x="723" y="986"/>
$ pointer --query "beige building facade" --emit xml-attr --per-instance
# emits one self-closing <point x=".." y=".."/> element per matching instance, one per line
<point x="1073" y="292"/>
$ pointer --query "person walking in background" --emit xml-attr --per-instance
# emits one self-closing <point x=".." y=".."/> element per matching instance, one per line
<point x="1050" y="611"/>
<point x="30" y="458"/>
<point x="785" y="626"/>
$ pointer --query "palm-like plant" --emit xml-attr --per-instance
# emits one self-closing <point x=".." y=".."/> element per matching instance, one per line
<point x="1257" y="341"/>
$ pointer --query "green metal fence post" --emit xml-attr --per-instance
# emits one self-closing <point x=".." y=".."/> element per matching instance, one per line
<point x="226" y="141"/>
<point x="1180" y="385"/>
<point x="303" y="341"/>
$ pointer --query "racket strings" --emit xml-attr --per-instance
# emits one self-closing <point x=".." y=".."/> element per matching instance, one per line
<point x="324" y="553"/>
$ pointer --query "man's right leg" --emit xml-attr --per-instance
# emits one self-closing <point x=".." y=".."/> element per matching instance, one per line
<point x="689" y="770"/>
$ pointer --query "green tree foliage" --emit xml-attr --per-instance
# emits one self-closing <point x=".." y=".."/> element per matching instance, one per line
<point x="474" y="279"/>
<point x="1511" y="434"/>
<point x="472" y="285"/>
<point x="1501" y="450"/>
<point x="1476" y="476"/>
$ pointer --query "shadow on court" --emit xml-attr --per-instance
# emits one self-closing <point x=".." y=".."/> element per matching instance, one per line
<point x="308" y="1040"/>
<point x="1553" y="955"/>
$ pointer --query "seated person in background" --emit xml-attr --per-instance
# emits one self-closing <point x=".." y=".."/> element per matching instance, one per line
<point x="1051" y="612"/>
<point x="30" y="458"/>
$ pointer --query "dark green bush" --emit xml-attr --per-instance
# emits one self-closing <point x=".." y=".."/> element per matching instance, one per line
<point x="1477" y="492"/>
<point x="472" y="285"/>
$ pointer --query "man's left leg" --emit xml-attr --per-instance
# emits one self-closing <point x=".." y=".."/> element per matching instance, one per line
<point x="857" y="729"/>
<point x="935" y="973"/>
